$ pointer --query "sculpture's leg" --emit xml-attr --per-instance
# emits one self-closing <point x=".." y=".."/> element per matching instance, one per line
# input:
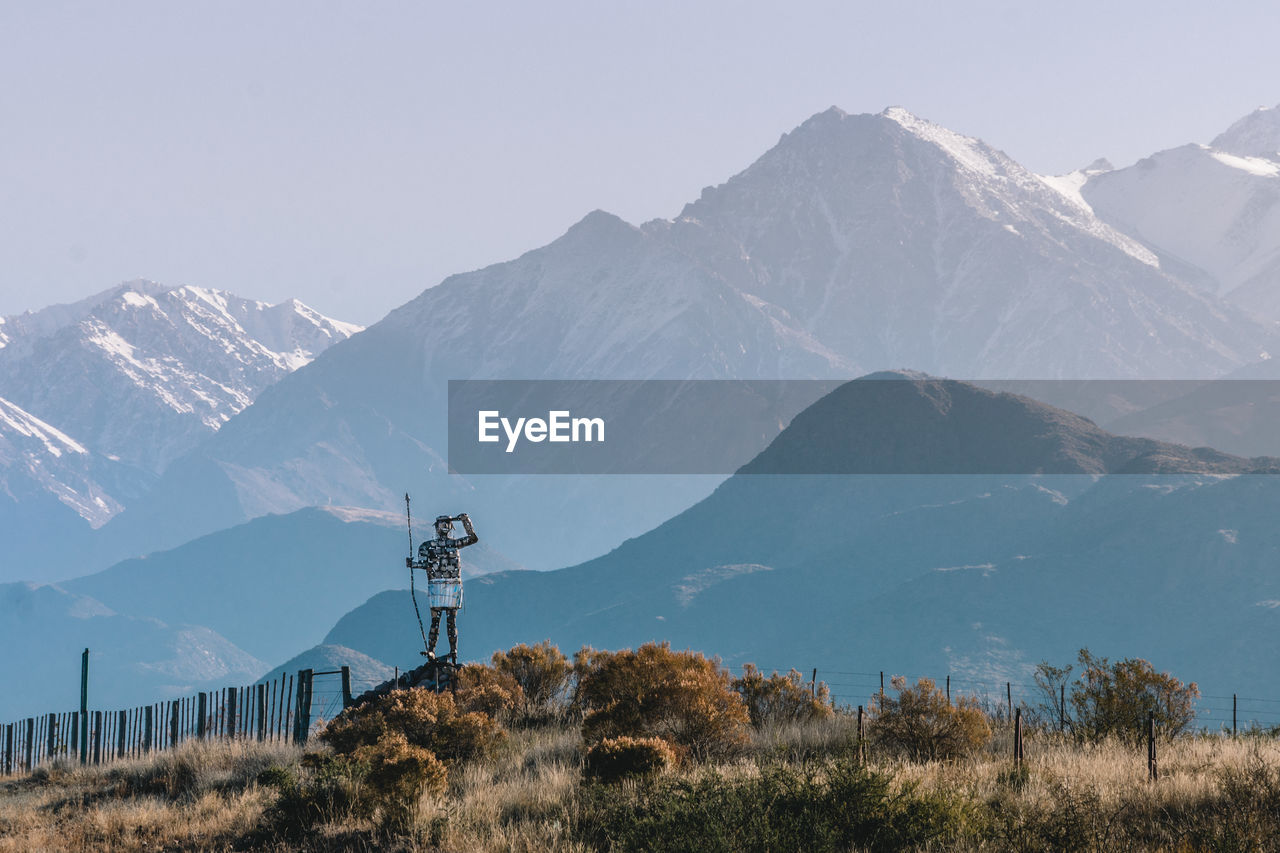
<point x="453" y="633"/>
<point x="434" y="633"/>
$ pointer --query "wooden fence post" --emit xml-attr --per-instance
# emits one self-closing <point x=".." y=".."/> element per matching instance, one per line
<point x="1153" y="771"/>
<point x="50" y="736"/>
<point x="84" y="707"/>
<point x="231" y="713"/>
<point x="346" y="687"/>
<point x="97" y="737"/>
<point x="8" y="749"/>
<point x="31" y="743"/>
<point x="1008" y="689"/>
<point x="202" y="709"/>
<point x="948" y="691"/>
<point x="1062" y="707"/>
<point x="262" y="711"/>
<point x="1017" y="737"/>
<point x="122" y="730"/>
<point x="1233" y="715"/>
<point x="862" y="749"/>
<point x="302" y="712"/>
<point x="175" y="724"/>
<point x="148" y="722"/>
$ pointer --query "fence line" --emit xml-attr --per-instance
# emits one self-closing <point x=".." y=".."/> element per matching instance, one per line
<point x="849" y="689"/>
<point x="266" y="711"/>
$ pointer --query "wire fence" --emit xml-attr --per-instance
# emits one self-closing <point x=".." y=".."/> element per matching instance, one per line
<point x="851" y="688"/>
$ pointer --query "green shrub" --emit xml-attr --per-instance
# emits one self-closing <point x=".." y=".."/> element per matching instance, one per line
<point x="330" y="792"/>
<point x="681" y="697"/>
<point x="921" y="723"/>
<point x="428" y="720"/>
<point x="837" y="806"/>
<point x="781" y="699"/>
<point x="613" y="759"/>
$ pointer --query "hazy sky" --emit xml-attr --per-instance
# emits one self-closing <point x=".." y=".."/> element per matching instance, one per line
<point x="352" y="155"/>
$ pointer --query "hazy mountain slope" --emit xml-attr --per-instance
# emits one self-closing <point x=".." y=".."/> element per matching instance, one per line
<point x="274" y="585"/>
<point x="857" y="242"/>
<point x="1214" y="207"/>
<point x="52" y="491"/>
<point x="132" y="661"/>
<point x="366" y="673"/>
<point x="963" y="571"/>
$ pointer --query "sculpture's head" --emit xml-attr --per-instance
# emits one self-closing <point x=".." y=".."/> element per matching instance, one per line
<point x="444" y="526"/>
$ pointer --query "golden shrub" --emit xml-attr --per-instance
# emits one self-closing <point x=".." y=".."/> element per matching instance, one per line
<point x="432" y="721"/>
<point x="922" y="723"/>
<point x="543" y="673"/>
<point x="490" y="691"/>
<point x="781" y="699"/>
<point x="681" y="697"/>
<point x="618" y="758"/>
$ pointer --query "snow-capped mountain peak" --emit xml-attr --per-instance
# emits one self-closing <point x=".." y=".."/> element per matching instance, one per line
<point x="1255" y="135"/>
<point x="969" y="153"/>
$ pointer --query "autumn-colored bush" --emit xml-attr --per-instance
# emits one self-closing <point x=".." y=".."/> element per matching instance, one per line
<point x="428" y="720"/>
<point x="490" y="691"/>
<point x="781" y="699"/>
<point x="920" y="722"/>
<point x="681" y="697"/>
<point x="618" y="758"/>
<point x="543" y="673"/>
<point x="1115" y="699"/>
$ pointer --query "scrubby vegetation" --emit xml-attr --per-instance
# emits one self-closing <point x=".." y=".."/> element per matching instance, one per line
<point x="658" y="750"/>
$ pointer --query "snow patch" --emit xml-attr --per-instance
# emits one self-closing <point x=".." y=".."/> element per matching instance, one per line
<point x="1252" y="165"/>
<point x="965" y="150"/>
<point x="26" y="424"/>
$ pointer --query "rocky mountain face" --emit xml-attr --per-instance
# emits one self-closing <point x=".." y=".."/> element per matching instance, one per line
<point x="98" y="397"/>
<point x="856" y="243"/>
<point x="964" y="561"/>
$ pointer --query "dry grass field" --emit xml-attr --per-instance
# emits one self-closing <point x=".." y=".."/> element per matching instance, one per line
<point x="1215" y="793"/>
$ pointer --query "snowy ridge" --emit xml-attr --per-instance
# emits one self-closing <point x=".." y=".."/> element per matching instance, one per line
<point x="1213" y="209"/>
<point x="37" y="459"/>
<point x="994" y="171"/>
<point x="143" y="371"/>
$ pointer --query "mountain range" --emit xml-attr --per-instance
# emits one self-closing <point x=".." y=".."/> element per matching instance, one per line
<point x="858" y="242"/>
<point x="146" y="417"/>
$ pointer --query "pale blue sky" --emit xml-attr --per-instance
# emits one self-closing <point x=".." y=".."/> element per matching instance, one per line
<point x="352" y="154"/>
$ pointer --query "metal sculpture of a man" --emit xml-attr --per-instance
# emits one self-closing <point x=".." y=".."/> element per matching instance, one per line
<point x="438" y="557"/>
